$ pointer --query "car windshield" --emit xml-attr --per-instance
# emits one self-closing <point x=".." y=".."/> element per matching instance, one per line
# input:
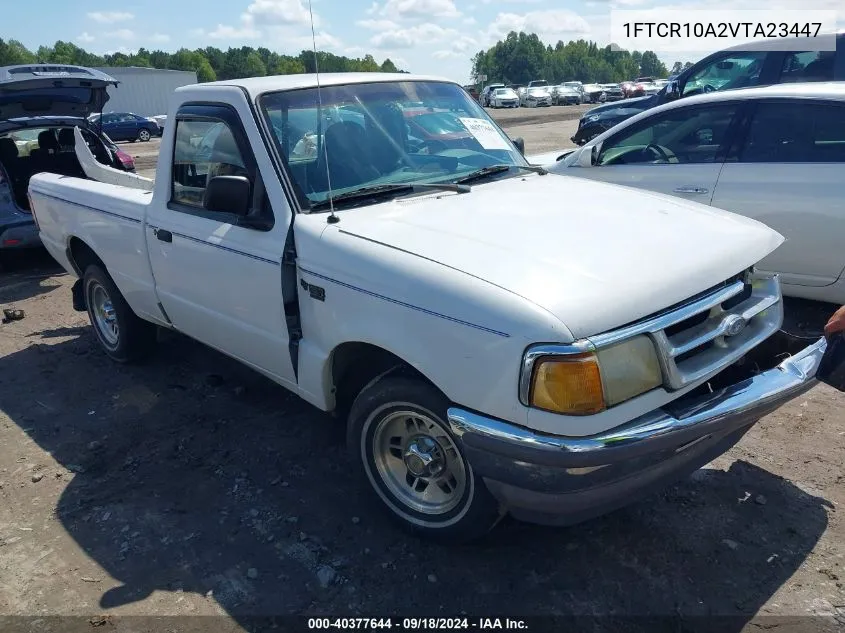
<point x="367" y="135"/>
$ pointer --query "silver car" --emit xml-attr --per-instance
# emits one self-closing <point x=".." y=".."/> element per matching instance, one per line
<point x="535" y="97"/>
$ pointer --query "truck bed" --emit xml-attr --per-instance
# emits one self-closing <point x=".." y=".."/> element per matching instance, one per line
<point x="109" y="219"/>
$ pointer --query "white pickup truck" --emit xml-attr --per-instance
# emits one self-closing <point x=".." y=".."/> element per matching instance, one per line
<point x="377" y="245"/>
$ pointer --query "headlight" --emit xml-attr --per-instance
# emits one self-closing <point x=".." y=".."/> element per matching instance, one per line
<point x="587" y="383"/>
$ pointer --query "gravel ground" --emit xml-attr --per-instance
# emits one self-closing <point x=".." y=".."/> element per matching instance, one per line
<point x="190" y="485"/>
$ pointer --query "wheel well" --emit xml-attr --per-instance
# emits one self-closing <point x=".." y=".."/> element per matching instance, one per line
<point x="81" y="256"/>
<point x="355" y="365"/>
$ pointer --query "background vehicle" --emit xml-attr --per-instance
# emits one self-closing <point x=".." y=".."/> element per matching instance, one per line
<point x="729" y="69"/>
<point x="612" y="92"/>
<point x="536" y="97"/>
<point x="405" y="294"/>
<point x="473" y="92"/>
<point x="126" y="126"/>
<point x="538" y="83"/>
<point x="36" y="135"/>
<point x="565" y="95"/>
<point x="628" y="89"/>
<point x="577" y="85"/>
<point x="594" y="93"/>
<point x="487" y="93"/>
<point x="775" y="154"/>
<point x="505" y="98"/>
<point x="126" y="161"/>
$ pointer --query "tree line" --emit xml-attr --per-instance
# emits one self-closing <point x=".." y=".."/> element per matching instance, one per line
<point x="521" y="57"/>
<point x="209" y="63"/>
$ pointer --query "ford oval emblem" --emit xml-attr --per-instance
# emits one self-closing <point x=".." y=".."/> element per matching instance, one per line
<point x="734" y="324"/>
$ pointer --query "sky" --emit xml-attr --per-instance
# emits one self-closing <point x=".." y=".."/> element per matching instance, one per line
<point x="423" y="36"/>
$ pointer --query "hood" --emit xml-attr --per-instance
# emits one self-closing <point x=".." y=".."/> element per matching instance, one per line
<point x="50" y="90"/>
<point x="596" y="256"/>
<point x="628" y="107"/>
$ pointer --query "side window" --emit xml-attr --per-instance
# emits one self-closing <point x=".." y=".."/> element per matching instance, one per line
<point x="683" y="135"/>
<point x="808" y="66"/>
<point x="109" y="118"/>
<point x="796" y="133"/>
<point x="737" y="70"/>
<point x="204" y="149"/>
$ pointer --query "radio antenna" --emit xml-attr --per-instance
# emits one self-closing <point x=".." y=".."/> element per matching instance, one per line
<point x="332" y="219"/>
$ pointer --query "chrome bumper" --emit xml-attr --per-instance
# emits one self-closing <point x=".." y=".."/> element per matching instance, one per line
<point x="556" y="479"/>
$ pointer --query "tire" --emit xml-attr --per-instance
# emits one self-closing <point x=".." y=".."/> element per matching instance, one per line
<point x="144" y="135"/>
<point x="124" y="337"/>
<point x="395" y="424"/>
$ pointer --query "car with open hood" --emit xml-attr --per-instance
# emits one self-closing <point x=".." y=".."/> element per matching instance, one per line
<point x="759" y="63"/>
<point x="488" y="350"/>
<point x="40" y="105"/>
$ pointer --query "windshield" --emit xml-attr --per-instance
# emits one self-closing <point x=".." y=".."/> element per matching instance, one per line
<point x="381" y="133"/>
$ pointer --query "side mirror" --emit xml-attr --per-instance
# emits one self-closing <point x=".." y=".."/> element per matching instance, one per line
<point x="520" y="144"/>
<point x="228" y="194"/>
<point x="588" y="156"/>
<point x="673" y="90"/>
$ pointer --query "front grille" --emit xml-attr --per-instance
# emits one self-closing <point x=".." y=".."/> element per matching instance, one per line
<point x="709" y="332"/>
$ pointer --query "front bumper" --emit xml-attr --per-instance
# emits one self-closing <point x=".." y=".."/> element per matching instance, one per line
<point x="564" y="480"/>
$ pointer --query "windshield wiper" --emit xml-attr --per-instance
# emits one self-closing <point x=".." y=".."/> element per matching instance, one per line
<point x="377" y="190"/>
<point x="496" y="169"/>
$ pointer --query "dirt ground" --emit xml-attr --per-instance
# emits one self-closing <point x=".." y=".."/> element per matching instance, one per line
<point x="191" y="486"/>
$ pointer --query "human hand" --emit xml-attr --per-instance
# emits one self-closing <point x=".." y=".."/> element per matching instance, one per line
<point x="836" y="323"/>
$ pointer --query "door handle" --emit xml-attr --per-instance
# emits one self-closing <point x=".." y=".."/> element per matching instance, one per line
<point x="164" y="236"/>
<point x="691" y="190"/>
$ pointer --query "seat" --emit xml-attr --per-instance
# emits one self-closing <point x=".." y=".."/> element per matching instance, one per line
<point x="67" y="141"/>
<point x="44" y="158"/>
<point x="9" y="157"/>
<point x="346" y="157"/>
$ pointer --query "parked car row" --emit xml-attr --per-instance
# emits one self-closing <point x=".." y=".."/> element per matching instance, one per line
<point x="541" y="93"/>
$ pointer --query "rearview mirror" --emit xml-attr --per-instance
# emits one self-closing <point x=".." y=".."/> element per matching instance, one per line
<point x="520" y="144"/>
<point x="228" y="194"/>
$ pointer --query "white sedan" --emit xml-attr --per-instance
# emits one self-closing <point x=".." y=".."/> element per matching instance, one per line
<point x="775" y="154"/>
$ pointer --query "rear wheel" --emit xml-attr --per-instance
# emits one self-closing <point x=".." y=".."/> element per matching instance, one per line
<point x="122" y="335"/>
<point x="144" y="135"/>
<point x="399" y="438"/>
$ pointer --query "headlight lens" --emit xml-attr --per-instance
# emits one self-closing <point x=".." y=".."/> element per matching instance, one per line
<point x="629" y="369"/>
<point x="585" y="384"/>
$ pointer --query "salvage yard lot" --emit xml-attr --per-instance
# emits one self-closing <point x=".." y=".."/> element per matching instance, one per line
<point x="192" y="486"/>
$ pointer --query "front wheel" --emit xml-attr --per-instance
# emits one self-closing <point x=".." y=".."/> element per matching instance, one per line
<point x="399" y="438"/>
<point x="121" y="333"/>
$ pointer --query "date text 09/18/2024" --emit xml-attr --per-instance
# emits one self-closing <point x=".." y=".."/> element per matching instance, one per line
<point x="418" y="624"/>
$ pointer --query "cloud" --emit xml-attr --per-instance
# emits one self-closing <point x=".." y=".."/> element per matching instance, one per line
<point x="550" y="26"/>
<point x="378" y="25"/>
<point x="122" y="34"/>
<point x="121" y="49"/>
<point x="470" y="20"/>
<point x="420" y="9"/>
<point x="110" y="17"/>
<point x="444" y="54"/>
<point x="278" y="12"/>
<point x="426" y="33"/>
<point x="226" y="32"/>
<point x="373" y="9"/>
<point x="160" y="38"/>
<point x="85" y="38"/>
<point x="324" y="41"/>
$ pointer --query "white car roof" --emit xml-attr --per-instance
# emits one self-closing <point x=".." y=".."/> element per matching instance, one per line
<point x="828" y="90"/>
<point x="256" y="86"/>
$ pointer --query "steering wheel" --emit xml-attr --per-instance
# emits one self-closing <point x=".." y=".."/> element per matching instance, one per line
<point x="707" y="88"/>
<point x="662" y="154"/>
